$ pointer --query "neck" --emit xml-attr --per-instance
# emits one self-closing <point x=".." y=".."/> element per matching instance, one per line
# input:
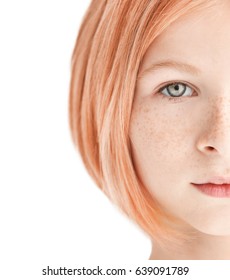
<point x="204" y="247"/>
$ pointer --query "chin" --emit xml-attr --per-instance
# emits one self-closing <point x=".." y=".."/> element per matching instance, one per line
<point x="211" y="219"/>
<point x="214" y="228"/>
<point x="218" y="232"/>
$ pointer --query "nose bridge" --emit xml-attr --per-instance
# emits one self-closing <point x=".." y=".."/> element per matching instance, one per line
<point x="217" y="132"/>
<point x="220" y="114"/>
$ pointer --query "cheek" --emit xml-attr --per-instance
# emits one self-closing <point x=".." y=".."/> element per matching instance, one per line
<point x="161" y="151"/>
<point x="156" y="136"/>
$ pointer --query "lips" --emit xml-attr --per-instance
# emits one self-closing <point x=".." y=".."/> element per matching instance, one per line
<point x="216" y="187"/>
<point x="219" y="180"/>
<point x="221" y="190"/>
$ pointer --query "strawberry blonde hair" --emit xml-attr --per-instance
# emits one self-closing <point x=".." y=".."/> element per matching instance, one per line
<point x="111" y="43"/>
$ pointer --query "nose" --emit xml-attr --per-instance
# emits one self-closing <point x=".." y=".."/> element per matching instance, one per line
<point x="214" y="138"/>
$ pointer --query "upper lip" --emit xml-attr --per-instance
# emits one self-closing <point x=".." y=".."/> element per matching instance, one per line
<point x="217" y="180"/>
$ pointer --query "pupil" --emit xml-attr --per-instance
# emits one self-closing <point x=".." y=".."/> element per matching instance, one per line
<point x="176" y="87"/>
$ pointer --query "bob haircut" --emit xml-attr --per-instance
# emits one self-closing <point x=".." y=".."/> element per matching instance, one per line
<point x="111" y="43"/>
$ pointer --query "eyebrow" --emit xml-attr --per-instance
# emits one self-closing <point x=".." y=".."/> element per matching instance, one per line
<point x="182" y="67"/>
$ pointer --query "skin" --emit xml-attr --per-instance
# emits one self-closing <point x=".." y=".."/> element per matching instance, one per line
<point x="179" y="141"/>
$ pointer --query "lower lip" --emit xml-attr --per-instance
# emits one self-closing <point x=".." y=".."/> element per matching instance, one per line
<point x="214" y="190"/>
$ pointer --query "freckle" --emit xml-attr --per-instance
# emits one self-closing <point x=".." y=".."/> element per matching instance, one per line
<point x="218" y="116"/>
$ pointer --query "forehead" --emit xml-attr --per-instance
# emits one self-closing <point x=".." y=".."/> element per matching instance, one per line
<point x="203" y="34"/>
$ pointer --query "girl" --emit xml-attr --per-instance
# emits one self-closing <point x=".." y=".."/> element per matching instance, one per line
<point x="149" y="111"/>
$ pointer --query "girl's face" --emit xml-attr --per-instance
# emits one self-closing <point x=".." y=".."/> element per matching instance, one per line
<point x="180" y="134"/>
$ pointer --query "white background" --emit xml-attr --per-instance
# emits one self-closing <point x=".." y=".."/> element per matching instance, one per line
<point x="51" y="211"/>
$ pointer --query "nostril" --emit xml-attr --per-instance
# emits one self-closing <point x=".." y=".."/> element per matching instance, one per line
<point x="209" y="148"/>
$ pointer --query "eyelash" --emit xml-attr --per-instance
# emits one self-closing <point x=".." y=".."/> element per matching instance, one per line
<point x="171" y="98"/>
